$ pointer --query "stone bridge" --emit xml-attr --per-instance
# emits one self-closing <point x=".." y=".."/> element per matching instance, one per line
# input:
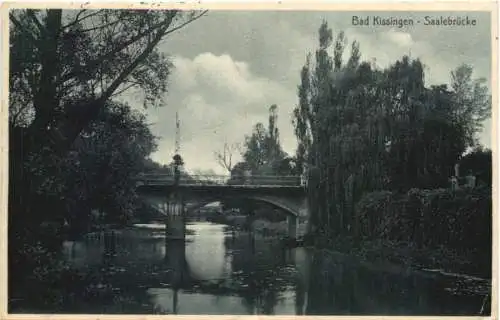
<point x="175" y="200"/>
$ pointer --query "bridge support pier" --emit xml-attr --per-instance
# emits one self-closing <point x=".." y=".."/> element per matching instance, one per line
<point x="292" y="227"/>
<point x="175" y="224"/>
<point x="175" y="235"/>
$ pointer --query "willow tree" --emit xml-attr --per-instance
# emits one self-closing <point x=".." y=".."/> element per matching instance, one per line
<point x="430" y="128"/>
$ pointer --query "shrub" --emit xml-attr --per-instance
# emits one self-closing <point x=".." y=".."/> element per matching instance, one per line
<point x="368" y="213"/>
<point x="458" y="220"/>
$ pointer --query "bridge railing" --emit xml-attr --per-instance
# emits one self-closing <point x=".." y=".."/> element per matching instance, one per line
<point x="222" y="180"/>
<point x="266" y="180"/>
<point x="191" y="180"/>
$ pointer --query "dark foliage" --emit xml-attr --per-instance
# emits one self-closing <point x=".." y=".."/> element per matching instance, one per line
<point x="378" y="139"/>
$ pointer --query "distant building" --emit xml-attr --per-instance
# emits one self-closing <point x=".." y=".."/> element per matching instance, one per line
<point x="247" y="176"/>
<point x="304" y="176"/>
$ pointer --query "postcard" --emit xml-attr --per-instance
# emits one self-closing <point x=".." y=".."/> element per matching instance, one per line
<point x="247" y="160"/>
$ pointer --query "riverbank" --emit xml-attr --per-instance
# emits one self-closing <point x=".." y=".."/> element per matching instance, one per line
<point x="458" y="284"/>
<point x="434" y="264"/>
<point x="407" y="256"/>
<point x="261" y="227"/>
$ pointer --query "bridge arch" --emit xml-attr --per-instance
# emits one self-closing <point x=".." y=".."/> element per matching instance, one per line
<point x="289" y="209"/>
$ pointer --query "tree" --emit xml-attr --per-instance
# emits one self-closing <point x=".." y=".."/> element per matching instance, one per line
<point x="479" y="162"/>
<point x="472" y="101"/>
<point x="302" y="116"/>
<point x="63" y="58"/>
<point x="238" y="171"/>
<point x="225" y="157"/>
<point x="426" y="141"/>
<point x="65" y="66"/>
<point x="309" y="114"/>
<point x="97" y="173"/>
<point x="255" y="154"/>
<point x="262" y="148"/>
<point x="273" y="139"/>
<point x="103" y="163"/>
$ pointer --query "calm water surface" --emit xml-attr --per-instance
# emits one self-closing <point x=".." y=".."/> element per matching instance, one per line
<point x="221" y="272"/>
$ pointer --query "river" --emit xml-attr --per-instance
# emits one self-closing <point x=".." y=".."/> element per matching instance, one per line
<point x="236" y="273"/>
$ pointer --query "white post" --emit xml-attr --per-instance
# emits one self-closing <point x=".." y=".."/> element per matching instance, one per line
<point x="292" y="226"/>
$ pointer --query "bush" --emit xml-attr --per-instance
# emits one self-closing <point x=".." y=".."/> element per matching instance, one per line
<point x="48" y="281"/>
<point x="459" y="220"/>
<point x="369" y="213"/>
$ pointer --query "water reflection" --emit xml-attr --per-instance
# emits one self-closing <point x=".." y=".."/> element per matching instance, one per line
<point x="189" y="303"/>
<point x="205" y="253"/>
<point x="221" y="272"/>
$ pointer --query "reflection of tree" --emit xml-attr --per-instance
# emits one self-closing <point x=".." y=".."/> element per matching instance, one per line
<point x="249" y="302"/>
<point x="258" y="272"/>
<point x="302" y="284"/>
<point x="339" y="286"/>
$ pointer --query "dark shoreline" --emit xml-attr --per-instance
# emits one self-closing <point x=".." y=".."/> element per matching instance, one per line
<point x="394" y="260"/>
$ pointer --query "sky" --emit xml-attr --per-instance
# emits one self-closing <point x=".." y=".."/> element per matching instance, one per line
<point x="230" y="66"/>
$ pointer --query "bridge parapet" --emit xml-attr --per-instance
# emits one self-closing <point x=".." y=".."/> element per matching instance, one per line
<point x="206" y="180"/>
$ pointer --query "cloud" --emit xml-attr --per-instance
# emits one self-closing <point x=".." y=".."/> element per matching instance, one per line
<point x="402" y="39"/>
<point x="218" y="100"/>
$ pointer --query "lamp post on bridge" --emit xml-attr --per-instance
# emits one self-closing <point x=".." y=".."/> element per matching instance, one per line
<point x="174" y="220"/>
<point x="178" y="163"/>
<point x="175" y="228"/>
